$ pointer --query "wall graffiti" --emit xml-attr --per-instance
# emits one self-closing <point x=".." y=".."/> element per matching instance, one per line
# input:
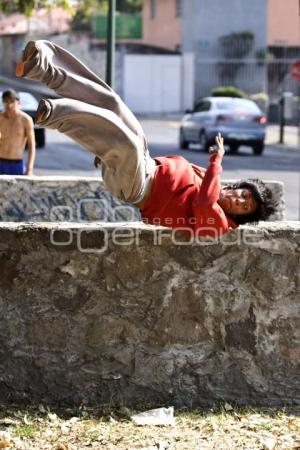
<point x="64" y="204"/>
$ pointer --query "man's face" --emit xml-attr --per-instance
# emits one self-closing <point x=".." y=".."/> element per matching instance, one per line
<point x="11" y="105"/>
<point x="237" y="201"/>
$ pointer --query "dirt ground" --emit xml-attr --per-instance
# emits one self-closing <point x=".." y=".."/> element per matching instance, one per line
<point x="41" y="427"/>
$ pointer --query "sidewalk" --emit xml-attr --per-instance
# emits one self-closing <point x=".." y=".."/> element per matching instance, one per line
<point x="291" y="139"/>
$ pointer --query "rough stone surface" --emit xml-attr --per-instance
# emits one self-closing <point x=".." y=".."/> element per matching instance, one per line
<point x="191" y="324"/>
<point x="53" y="198"/>
<point x="75" y="199"/>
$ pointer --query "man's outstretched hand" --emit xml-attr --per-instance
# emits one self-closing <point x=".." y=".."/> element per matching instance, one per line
<point x="219" y="147"/>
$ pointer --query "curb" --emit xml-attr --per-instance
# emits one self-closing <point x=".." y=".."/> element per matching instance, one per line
<point x="284" y="147"/>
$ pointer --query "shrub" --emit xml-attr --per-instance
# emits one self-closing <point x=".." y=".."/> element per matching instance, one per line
<point x="260" y="96"/>
<point x="228" y="91"/>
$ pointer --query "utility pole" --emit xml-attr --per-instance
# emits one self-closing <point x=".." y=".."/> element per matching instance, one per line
<point x="299" y="92"/>
<point x="281" y="118"/>
<point x="111" y="42"/>
<point x="299" y="102"/>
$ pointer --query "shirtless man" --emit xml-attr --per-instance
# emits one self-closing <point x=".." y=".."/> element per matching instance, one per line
<point x="16" y="128"/>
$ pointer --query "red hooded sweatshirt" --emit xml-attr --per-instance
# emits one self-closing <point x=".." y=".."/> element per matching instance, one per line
<point x="184" y="196"/>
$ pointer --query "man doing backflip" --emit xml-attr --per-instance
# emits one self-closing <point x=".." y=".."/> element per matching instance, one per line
<point x="168" y="190"/>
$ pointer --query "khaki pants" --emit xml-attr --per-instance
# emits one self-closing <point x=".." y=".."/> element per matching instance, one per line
<point x="93" y="115"/>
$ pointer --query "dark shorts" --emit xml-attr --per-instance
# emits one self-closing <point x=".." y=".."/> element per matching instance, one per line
<point x="11" y="166"/>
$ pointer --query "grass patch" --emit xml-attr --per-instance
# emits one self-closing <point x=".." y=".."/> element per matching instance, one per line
<point x="109" y="428"/>
<point x="26" y="431"/>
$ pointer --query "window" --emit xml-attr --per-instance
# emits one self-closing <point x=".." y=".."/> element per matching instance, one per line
<point x="178" y="8"/>
<point x="203" y="106"/>
<point x="153" y="8"/>
<point x="237" y="105"/>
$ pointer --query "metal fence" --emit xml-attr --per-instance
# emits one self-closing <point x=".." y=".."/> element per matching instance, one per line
<point x="253" y="76"/>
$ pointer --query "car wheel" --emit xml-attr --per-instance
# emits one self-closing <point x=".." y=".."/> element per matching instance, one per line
<point x="40" y="137"/>
<point x="182" y="142"/>
<point x="258" y="148"/>
<point x="233" y="148"/>
<point x="204" y="141"/>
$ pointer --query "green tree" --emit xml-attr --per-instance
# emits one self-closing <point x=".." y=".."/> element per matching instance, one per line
<point x="81" y="20"/>
<point x="87" y="8"/>
<point x="82" y="13"/>
<point x="129" y="6"/>
<point x="28" y="7"/>
<point x="228" y="91"/>
<point x="235" y="47"/>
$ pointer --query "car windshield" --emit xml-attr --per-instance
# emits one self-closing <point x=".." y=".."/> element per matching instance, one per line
<point x="27" y="101"/>
<point x="238" y="105"/>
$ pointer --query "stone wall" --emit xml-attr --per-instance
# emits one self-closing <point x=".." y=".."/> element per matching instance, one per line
<point x="79" y="199"/>
<point x="107" y="314"/>
<point x="71" y="199"/>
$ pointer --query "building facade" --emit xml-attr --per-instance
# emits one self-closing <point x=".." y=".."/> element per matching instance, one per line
<point x="226" y="37"/>
<point x="162" y="23"/>
<point x="283" y="23"/>
<point x="250" y="45"/>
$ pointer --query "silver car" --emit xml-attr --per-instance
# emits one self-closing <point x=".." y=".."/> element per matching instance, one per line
<point x="240" y="122"/>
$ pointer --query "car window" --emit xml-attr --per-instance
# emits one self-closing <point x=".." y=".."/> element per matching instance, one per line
<point x="238" y="105"/>
<point x="223" y="105"/>
<point x="28" y="101"/>
<point x="203" y="106"/>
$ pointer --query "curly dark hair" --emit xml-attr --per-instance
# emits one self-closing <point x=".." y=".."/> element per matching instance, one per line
<point x="264" y="197"/>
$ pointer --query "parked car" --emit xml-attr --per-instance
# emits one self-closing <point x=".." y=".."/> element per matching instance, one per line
<point x="29" y="104"/>
<point x="240" y="121"/>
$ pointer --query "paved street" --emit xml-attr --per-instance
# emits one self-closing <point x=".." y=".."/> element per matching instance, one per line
<point x="61" y="156"/>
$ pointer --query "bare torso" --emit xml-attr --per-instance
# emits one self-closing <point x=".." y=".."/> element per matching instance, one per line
<point x="12" y="135"/>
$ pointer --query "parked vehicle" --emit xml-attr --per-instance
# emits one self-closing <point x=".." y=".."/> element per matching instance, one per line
<point x="29" y="104"/>
<point x="240" y="122"/>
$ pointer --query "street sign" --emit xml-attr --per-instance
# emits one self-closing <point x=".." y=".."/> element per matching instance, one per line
<point x="295" y="70"/>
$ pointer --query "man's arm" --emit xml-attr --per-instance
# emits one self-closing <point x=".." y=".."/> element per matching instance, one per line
<point x="210" y="217"/>
<point x="29" y="132"/>
<point x="211" y="185"/>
